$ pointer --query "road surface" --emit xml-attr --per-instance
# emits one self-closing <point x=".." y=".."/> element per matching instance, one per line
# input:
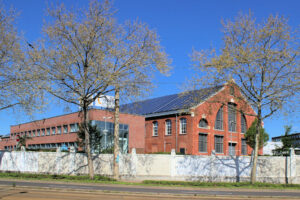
<point x="15" y="189"/>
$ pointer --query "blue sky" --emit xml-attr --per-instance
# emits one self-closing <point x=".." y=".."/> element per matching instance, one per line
<point x="181" y="24"/>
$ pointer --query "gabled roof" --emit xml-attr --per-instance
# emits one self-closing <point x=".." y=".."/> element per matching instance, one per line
<point x="164" y="104"/>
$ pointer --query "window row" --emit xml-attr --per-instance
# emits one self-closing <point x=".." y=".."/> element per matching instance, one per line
<point x="168" y="127"/>
<point x="45" y="146"/>
<point x="232" y="119"/>
<point x="49" y="131"/>
<point x="219" y="145"/>
<point x="52" y="145"/>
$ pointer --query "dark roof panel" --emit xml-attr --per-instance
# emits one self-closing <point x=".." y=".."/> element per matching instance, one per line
<point x="170" y="102"/>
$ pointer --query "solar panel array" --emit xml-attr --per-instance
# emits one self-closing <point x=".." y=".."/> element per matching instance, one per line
<point x="170" y="102"/>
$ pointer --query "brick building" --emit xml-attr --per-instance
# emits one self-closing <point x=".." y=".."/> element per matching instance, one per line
<point x="196" y="122"/>
<point x="62" y="130"/>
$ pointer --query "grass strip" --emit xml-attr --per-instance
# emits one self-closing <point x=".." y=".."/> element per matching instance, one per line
<point x="257" y="185"/>
<point x="84" y="178"/>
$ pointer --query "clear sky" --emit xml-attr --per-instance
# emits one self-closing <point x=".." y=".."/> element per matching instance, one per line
<point x="181" y="24"/>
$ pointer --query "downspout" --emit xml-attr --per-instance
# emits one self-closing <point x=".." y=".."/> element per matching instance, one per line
<point x="176" y="133"/>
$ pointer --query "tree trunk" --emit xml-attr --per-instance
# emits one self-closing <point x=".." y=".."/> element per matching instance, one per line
<point x="256" y="147"/>
<point x="116" y="134"/>
<point x="87" y="142"/>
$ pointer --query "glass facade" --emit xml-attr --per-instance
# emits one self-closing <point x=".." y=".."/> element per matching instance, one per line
<point x="107" y="136"/>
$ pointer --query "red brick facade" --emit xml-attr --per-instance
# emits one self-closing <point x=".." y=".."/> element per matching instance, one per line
<point x="135" y="123"/>
<point x="190" y="140"/>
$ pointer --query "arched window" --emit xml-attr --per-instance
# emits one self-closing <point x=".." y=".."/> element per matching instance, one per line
<point x="243" y="123"/>
<point x="155" y="128"/>
<point x="168" y="127"/>
<point x="183" y="126"/>
<point x="203" y="123"/>
<point x="231" y="117"/>
<point x="219" y="119"/>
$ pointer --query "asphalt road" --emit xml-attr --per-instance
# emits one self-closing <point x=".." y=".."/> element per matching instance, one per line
<point x="52" y="194"/>
<point x="284" y="194"/>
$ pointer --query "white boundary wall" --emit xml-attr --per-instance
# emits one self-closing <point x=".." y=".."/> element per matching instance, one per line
<point x="156" y="166"/>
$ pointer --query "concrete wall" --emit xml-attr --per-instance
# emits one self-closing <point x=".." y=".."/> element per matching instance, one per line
<point x="154" y="166"/>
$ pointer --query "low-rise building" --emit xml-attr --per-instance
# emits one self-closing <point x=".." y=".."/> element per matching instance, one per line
<point x="62" y="130"/>
<point x="295" y="138"/>
<point x="199" y="122"/>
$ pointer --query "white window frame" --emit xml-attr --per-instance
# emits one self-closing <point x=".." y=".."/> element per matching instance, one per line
<point x="183" y="125"/>
<point x="168" y="127"/>
<point x="155" y="128"/>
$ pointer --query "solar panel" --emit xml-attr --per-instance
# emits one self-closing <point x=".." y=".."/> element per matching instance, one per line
<point x="170" y="102"/>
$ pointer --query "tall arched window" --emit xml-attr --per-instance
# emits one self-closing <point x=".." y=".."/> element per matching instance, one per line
<point x="219" y="119"/>
<point x="168" y="127"/>
<point x="203" y="123"/>
<point x="155" y="128"/>
<point x="231" y="117"/>
<point x="243" y="123"/>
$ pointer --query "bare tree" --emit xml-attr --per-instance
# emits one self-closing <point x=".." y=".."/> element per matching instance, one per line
<point x="137" y="56"/>
<point x="85" y="55"/>
<point x="18" y="83"/>
<point x="263" y="59"/>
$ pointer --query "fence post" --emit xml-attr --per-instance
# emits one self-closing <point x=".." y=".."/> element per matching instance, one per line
<point x="133" y="162"/>
<point x="173" y="163"/>
<point x="58" y="160"/>
<point x="72" y="162"/>
<point x="292" y="165"/>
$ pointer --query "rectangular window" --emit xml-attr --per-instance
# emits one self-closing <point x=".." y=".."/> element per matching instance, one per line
<point x="29" y="134"/>
<point x="48" y="131"/>
<point x="183" y="126"/>
<point x="219" y="144"/>
<point x="74" y="128"/>
<point x="59" y="130"/>
<point x="53" y="130"/>
<point x="38" y="132"/>
<point x="43" y="132"/>
<point x="33" y="133"/>
<point x="202" y="142"/>
<point x="244" y="147"/>
<point x="65" y="128"/>
<point x="155" y="129"/>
